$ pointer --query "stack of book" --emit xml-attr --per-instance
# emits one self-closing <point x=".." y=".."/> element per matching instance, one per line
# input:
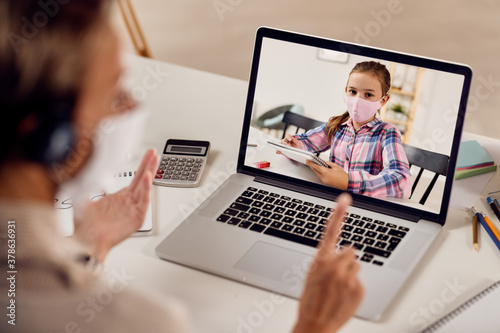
<point x="473" y="160"/>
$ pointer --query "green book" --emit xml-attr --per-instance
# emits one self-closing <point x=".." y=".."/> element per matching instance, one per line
<point x="471" y="156"/>
<point x="460" y="174"/>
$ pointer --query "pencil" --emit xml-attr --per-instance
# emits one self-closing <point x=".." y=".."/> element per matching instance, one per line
<point x="494" y="206"/>
<point x="488" y="226"/>
<point x="474" y="232"/>
<point x="492" y="227"/>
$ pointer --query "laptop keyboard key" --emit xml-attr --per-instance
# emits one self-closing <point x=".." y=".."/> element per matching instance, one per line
<point x="243" y="215"/>
<point x="231" y="212"/>
<point x="257" y="204"/>
<point x="258" y="196"/>
<point x="279" y="210"/>
<point x="382" y="237"/>
<point x="241" y="207"/>
<point x="254" y="210"/>
<point x="311" y="226"/>
<point x="276" y="225"/>
<point x="268" y="207"/>
<point x="397" y="233"/>
<point x="234" y="221"/>
<point x="280" y="202"/>
<point x="244" y="200"/>
<point x="223" y="218"/>
<point x="310" y="233"/>
<point x="245" y="224"/>
<point x="299" y="223"/>
<point x="257" y="227"/>
<point x="378" y="252"/>
<point x="265" y="213"/>
<point x="368" y="241"/>
<point x="292" y="237"/>
<point x="382" y="229"/>
<point x="254" y="218"/>
<point x="276" y="217"/>
<point x="299" y="230"/>
<point x="366" y="257"/>
<point x="287" y="227"/>
<point x="265" y="221"/>
<point x="302" y="208"/>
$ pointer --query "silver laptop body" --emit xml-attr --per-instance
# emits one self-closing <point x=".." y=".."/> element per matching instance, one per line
<point x="232" y="243"/>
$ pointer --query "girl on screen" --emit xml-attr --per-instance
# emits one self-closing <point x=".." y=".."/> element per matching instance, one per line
<point x="366" y="154"/>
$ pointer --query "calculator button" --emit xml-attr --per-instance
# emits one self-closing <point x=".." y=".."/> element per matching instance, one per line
<point x="170" y="167"/>
<point x="173" y="158"/>
<point x="169" y="172"/>
<point x="163" y="162"/>
<point x="193" y="177"/>
<point x="185" y="173"/>
<point x="190" y="159"/>
<point x="199" y="160"/>
<point x="158" y="176"/>
<point x="159" y="172"/>
<point x="162" y="167"/>
<point x="189" y="164"/>
<point x="167" y="177"/>
<point x="175" y="177"/>
<point x="183" y="178"/>
<point x="177" y="173"/>
<point x="179" y="168"/>
<point x="166" y="159"/>
<point x="182" y="159"/>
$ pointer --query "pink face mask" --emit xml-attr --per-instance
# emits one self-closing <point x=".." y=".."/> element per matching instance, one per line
<point x="360" y="110"/>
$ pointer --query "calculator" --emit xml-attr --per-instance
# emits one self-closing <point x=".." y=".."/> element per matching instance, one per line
<point x="182" y="163"/>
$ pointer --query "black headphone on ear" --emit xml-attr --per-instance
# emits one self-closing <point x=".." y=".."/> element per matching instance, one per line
<point x="53" y="139"/>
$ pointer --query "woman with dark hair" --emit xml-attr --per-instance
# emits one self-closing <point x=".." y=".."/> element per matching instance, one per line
<point x="59" y="85"/>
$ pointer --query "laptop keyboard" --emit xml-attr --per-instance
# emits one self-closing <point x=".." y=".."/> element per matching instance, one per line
<point x="304" y="222"/>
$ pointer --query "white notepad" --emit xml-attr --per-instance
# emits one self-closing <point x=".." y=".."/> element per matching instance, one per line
<point x="479" y="314"/>
<point x="64" y="206"/>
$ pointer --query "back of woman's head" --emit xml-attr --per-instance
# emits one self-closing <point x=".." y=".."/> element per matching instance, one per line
<point x="44" y="53"/>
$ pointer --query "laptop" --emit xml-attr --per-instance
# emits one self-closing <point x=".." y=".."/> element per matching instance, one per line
<point x="262" y="225"/>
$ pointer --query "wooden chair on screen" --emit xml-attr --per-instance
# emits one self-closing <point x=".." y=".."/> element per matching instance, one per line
<point x="134" y="29"/>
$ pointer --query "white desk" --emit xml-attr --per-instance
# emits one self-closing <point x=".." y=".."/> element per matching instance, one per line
<point x="190" y="104"/>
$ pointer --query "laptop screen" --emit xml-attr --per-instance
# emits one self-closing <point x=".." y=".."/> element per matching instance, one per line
<point x="378" y="116"/>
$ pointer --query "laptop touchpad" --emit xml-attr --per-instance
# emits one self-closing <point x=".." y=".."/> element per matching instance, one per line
<point x="286" y="266"/>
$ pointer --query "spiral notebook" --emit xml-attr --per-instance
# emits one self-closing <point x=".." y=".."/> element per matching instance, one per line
<point x="64" y="205"/>
<point x="478" y="314"/>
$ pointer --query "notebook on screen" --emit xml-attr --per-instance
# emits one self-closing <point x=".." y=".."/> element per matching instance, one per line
<point x="262" y="225"/>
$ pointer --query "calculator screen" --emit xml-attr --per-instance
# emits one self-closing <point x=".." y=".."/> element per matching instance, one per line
<point x="183" y="149"/>
<point x="186" y="147"/>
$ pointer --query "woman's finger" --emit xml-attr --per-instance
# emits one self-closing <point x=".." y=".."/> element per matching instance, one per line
<point x="334" y="224"/>
<point x="148" y="163"/>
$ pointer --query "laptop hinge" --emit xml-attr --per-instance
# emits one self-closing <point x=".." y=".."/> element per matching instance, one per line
<point x="332" y="196"/>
